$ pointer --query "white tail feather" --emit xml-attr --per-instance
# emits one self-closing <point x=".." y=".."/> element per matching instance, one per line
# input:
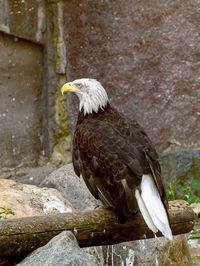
<point x="145" y="212"/>
<point x="152" y="208"/>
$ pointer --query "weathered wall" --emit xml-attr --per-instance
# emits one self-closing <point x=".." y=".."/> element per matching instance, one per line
<point x="22" y="26"/>
<point x="20" y="100"/>
<point x="55" y="126"/>
<point x="147" y="56"/>
<point x="23" y="18"/>
<point x="32" y="62"/>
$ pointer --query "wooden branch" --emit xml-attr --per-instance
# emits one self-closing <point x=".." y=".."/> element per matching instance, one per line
<point x="91" y="228"/>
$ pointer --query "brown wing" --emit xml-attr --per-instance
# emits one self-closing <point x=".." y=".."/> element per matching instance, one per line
<point x="112" y="153"/>
<point x="139" y="138"/>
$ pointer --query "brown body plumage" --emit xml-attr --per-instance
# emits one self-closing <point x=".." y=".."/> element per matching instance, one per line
<point x="108" y="148"/>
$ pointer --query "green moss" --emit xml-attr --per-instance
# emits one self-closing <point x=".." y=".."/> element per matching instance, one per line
<point x="56" y="45"/>
<point x="61" y="115"/>
<point x="62" y="149"/>
<point x="8" y="231"/>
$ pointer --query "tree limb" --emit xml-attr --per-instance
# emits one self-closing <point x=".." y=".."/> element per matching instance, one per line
<point x="91" y="228"/>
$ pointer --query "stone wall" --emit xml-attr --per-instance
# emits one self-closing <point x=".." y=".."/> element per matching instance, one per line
<point x="20" y="100"/>
<point x="33" y="66"/>
<point x="146" y="53"/>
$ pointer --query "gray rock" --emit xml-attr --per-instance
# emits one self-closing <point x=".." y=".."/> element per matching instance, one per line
<point x="62" y="250"/>
<point x="73" y="188"/>
<point x="180" y="165"/>
<point x="26" y="175"/>
<point x="159" y="251"/>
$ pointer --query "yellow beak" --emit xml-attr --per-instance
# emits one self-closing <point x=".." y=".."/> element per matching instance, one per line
<point x="68" y="87"/>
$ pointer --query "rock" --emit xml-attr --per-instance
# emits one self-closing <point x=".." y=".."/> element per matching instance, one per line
<point x="72" y="187"/>
<point x="159" y="251"/>
<point x="29" y="200"/>
<point x="32" y="175"/>
<point x="62" y="250"/>
<point x="26" y="175"/>
<point x="180" y="165"/>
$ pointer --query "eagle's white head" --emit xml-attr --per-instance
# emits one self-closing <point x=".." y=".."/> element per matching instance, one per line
<point x="90" y="92"/>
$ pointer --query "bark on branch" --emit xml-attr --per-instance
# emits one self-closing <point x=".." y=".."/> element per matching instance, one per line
<point x="91" y="228"/>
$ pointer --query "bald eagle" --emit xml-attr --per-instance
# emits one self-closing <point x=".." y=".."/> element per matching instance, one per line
<point x="116" y="158"/>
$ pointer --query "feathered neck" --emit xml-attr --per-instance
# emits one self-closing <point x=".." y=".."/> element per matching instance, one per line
<point x="99" y="113"/>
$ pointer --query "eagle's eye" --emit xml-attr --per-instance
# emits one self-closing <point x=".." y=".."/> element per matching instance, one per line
<point x="79" y="85"/>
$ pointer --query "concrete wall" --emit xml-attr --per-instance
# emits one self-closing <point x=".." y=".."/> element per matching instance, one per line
<point x="32" y="63"/>
<point x="146" y="54"/>
<point x="24" y="18"/>
<point x="20" y="100"/>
